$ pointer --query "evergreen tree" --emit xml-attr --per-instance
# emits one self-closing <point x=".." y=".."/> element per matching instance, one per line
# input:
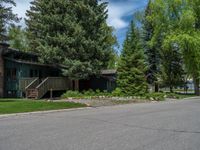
<point x="195" y="4"/>
<point x="17" y="38"/>
<point x="71" y="33"/>
<point x="6" y="17"/>
<point x="113" y="62"/>
<point x="151" y="50"/>
<point x="131" y="68"/>
<point x="172" y="72"/>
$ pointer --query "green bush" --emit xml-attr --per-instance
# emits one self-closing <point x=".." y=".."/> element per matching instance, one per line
<point x="85" y="94"/>
<point x="98" y="92"/>
<point x="156" y="96"/>
<point x="89" y="93"/>
<point x="117" y="92"/>
<point x="72" y="94"/>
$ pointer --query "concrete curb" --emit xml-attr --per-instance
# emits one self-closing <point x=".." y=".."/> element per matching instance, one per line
<point x="43" y="112"/>
<point x="191" y="97"/>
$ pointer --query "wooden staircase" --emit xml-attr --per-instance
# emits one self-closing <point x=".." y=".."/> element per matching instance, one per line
<point x="38" y="88"/>
<point x="32" y="93"/>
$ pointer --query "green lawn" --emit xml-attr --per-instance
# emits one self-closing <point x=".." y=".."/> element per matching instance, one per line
<point x="9" y="106"/>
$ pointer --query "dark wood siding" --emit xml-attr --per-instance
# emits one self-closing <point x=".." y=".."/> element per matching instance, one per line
<point x="102" y="83"/>
<point x="23" y="70"/>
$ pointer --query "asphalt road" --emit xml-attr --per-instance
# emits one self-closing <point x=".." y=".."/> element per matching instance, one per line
<point x="154" y="126"/>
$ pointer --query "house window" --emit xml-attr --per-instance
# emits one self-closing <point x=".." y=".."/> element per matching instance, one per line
<point x="12" y="73"/>
<point x="40" y="74"/>
<point x="31" y="73"/>
<point x="11" y="93"/>
<point x="36" y="73"/>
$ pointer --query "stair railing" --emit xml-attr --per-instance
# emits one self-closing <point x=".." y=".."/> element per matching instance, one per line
<point x="54" y="84"/>
<point x="33" y="84"/>
<point x="25" y="82"/>
<point x="31" y="87"/>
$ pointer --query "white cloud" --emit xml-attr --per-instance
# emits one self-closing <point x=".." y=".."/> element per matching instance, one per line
<point x="117" y="10"/>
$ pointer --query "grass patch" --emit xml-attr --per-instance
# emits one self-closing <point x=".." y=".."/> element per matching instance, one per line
<point x="9" y="106"/>
<point x="180" y="95"/>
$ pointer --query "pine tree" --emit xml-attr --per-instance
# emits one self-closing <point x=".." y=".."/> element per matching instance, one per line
<point x="195" y="4"/>
<point x="71" y="33"/>
<point x="131" y="68"/>
<point x="17" y="38"/>
<point x="172" y="72"/>
<point x="6" y="17"/>
<point x="151" y="50"/>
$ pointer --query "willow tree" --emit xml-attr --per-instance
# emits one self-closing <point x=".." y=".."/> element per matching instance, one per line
<point x="176" y="28"/>
<point x="188" y="39"/>
<point x="181" y="21"/>
<point x="71" y="33"/>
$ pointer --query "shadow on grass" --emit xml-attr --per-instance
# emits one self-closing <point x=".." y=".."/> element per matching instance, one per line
<point x="8" y="101"/>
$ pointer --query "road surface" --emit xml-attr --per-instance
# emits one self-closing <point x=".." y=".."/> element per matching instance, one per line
<point x="173" y="125"/>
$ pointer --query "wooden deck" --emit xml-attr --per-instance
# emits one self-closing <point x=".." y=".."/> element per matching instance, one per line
<point x="36" y="88"/>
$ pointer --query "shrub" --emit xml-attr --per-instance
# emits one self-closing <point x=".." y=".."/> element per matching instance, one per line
<point x="156" y="96"/>
<point x="98" y="92"/>
<point x="72" y="94"/>
<point x="117" y="92"/>
<point x="88" y="93"/>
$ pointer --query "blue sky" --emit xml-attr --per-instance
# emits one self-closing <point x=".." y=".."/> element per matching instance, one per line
<point x="120" y="13"/>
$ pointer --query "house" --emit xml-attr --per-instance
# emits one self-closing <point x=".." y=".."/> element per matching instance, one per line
<point x="106" y="81"/>
<point x="21" y="75"/>
<point x="20" y="69"/>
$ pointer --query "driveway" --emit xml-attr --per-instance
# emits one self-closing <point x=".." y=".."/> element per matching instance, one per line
<point x="172" y="125"/>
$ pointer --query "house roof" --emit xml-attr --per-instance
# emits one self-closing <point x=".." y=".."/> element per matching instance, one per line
<point x="12" y="50"/>
<point x="8" y="50"/>
<point x="108" y="71"/>
<point x="4" y="44"/>
<point x="30" y="62"/>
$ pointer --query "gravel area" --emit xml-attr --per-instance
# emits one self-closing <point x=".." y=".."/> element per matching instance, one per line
<point x="105" y="101"/>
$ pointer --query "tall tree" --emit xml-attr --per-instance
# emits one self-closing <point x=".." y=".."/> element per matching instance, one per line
<point x="151" y="50"/>
<point x="71" y="33"/>
<point x="172" y="72"/>
<point x="176" y="23"/>
<point x="132" y="68"/>
<point x="164" y="17"/>
<point x="195" y="4"/>
<point x="17" y="38"/>
<point x="113" y="62"/>
<point x="6" y="16"/>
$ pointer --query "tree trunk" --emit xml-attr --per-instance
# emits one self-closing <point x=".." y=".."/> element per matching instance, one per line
<point x="77" y="85"/>
<point x="196" y="86"/>
<point x="156" y="87"/>
<point x="171" y="89"/>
